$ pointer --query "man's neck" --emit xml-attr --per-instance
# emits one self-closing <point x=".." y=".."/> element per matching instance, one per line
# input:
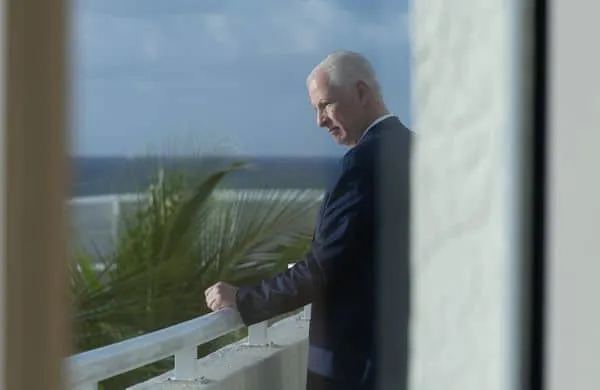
<point x="376" y="111"/>
<point x="368" y="122"/>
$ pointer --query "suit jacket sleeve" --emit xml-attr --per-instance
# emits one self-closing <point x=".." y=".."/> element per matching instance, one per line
<point x="337" y="239"/>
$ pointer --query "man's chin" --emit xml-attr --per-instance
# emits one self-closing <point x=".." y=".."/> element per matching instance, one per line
<point x="339" y="141"/>
<point x="339" y="138"/>
<point x="342" y="141"/>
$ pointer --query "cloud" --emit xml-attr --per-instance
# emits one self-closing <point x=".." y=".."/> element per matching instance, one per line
<point x="115" y="35"/>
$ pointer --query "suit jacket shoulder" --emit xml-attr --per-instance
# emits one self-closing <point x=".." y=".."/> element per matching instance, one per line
<point x="384" y="151"/>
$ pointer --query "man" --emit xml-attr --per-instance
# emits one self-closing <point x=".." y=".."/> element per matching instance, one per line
<point x="341" y="275"/>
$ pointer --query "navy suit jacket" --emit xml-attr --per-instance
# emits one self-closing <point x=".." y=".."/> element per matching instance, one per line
<point x="341" y="272"/>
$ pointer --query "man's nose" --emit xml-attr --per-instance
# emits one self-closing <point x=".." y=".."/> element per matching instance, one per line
<point x="322" y="119"/>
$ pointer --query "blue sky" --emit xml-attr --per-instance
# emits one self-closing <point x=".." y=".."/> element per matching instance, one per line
<point x="221" y="76"/>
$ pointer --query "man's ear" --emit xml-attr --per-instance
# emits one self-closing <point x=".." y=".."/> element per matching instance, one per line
<point x="363" y="92"/>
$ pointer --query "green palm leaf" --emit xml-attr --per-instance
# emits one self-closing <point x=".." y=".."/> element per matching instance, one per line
<point x="179" y="227"/>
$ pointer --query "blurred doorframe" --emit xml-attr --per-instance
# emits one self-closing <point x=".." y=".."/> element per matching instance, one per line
<point x="34" y="187"/>
<point x="572" y="318"/>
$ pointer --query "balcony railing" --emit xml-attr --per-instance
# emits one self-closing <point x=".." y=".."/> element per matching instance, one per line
<point x="87" y="369"/>
<point x="180" y="341"/>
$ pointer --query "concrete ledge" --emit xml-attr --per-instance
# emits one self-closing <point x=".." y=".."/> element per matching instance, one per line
<point x="280" y="365"/>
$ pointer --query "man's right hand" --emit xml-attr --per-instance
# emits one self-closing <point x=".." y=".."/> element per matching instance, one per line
<point x="220" y="296"/>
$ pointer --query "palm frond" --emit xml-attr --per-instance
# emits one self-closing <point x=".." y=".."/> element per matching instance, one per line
<point x="179" y="226"/>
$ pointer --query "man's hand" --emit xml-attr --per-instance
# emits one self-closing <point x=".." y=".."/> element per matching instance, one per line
<point x="220" y="296"/>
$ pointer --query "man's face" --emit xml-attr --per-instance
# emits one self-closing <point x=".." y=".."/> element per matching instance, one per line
<point x="338" y="109"/>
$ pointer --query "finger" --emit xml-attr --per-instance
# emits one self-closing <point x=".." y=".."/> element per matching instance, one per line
<point x="213" y="295"/>
<point x="210" y="298"/>
<point x="209" y="290"/>
<point x="214" y="304"/>
<point x="212" y="291"/>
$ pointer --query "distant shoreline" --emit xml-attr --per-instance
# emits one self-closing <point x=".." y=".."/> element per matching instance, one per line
<point x="96" y="175"/>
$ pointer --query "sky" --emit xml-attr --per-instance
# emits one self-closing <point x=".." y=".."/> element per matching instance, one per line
<point x="221" y="76"/>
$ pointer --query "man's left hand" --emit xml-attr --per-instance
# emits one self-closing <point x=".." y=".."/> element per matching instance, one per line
<point x="220" y="296"/>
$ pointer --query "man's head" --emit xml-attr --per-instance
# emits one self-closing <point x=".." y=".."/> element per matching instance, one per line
<point x="346" y="95"/>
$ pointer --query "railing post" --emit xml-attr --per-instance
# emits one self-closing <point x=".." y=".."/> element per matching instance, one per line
<point x="307" y="308"/>
<point x="258" y="333"/>
<point x="185" y="363"/>
<point x="306" y="314"/>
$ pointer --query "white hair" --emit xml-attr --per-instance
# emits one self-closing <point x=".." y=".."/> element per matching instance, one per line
<point x="344" y="68"/>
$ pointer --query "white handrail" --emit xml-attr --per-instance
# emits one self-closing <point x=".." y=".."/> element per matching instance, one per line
<point x="88" y="368"/>
<point x="221" y="194"/>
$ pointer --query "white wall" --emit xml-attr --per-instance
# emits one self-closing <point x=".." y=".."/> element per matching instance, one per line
<point x="96" y="220"/>
<point x="462" y="260"/>
<point x="462" y="248"/>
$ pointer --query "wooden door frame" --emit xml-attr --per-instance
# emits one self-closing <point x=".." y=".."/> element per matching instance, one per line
<point x="35" y="186"/>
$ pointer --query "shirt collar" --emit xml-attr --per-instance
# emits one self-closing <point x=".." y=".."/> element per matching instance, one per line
<point x="375" y="122"/>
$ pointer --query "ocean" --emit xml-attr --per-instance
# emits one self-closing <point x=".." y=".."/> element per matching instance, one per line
<point x="118" y="175"/>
